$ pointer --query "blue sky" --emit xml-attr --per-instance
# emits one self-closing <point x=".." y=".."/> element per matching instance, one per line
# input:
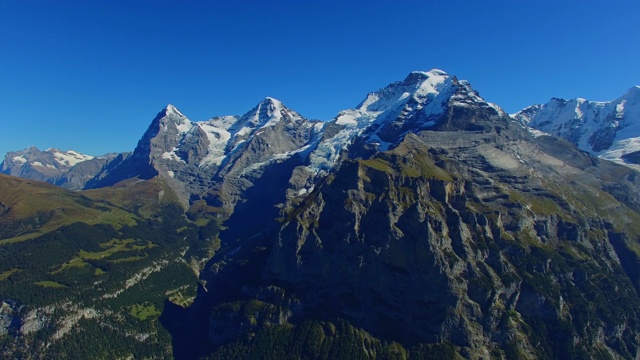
<point x="91" y="75"/>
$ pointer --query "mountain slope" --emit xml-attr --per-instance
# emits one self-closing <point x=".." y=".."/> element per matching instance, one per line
<point x="610" y="130"/>
<point x="465" y="234"/>
<point x="87" y="275"/>
<point x="31" y="208"/>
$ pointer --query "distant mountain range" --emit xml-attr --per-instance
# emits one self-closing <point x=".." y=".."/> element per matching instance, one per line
<point x="609" y="130"/>
<point x="423" y="223"/>
<point x="68" y="169"/>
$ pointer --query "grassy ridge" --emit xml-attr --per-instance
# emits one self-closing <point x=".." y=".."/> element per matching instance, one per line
<point x="30" y="208"/>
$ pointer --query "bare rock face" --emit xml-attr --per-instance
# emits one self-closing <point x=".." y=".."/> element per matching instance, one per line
<point x="9" y="319"/>
<point x="465" y="240"/>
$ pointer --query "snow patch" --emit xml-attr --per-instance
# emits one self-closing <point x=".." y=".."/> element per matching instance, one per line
<point x="20" y="160"/>
<point x="380" y="144"/>
<point x="620" y="148"/>
<point x="172" y="156"/>
<point x="273" y="159"/>
<point x="536" y="133"/>
<point x="497" y="108"/>
<point x="218" y="138"/>
<point x="274" y="111"/>
<point x="181" y="122"/>
<point x="184" y="127"/>
<point x="69" y="158"/>
<point x="172" y="110"/>
<point x="348" y="117"/>
<point x="245" y="130"/>
<point x="620" y="109"/>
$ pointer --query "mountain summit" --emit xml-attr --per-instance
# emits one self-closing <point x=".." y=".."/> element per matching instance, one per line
<point x="418" y="88"/>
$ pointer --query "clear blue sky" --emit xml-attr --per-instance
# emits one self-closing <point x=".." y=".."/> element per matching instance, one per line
<point x="90" y="75"/>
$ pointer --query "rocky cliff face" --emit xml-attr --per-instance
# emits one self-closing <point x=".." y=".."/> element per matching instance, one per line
<point x="466" y="231"/>
<point x="470" y="251"/>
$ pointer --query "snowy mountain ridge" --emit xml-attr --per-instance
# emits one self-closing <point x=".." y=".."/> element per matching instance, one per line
<point x="426" y="92"/>
<point x="607" y="129"/>
<point x="176" y="147"/>
<point x="422" y="95"/>
<point x="69" y="169"/>
<point x="225" y="134"/>
<point x="58" y="159"/>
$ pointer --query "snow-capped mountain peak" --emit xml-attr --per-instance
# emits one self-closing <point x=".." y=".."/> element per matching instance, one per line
<point x="50" y="158"/>
<point x="69" y="158"/>
<point x="170" y="114"/>
<point x="421" y="98"/>
<point x="269" y="109"/>
<point x="267" y="113"/>
<point x="172" y="110"/>
<point x="630" y="98"/>
<point x="633" y="91"/>
<point x="271" y="101"/>
<point x="608" y="129"/>
<point x="226" y="134"/>
<point x="52" y="165"/>
<point x="417" y="86"/>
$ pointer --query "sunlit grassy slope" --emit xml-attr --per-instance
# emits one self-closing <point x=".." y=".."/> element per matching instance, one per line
<point x="30" y="208"/>
<point x="117" y="253"/>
